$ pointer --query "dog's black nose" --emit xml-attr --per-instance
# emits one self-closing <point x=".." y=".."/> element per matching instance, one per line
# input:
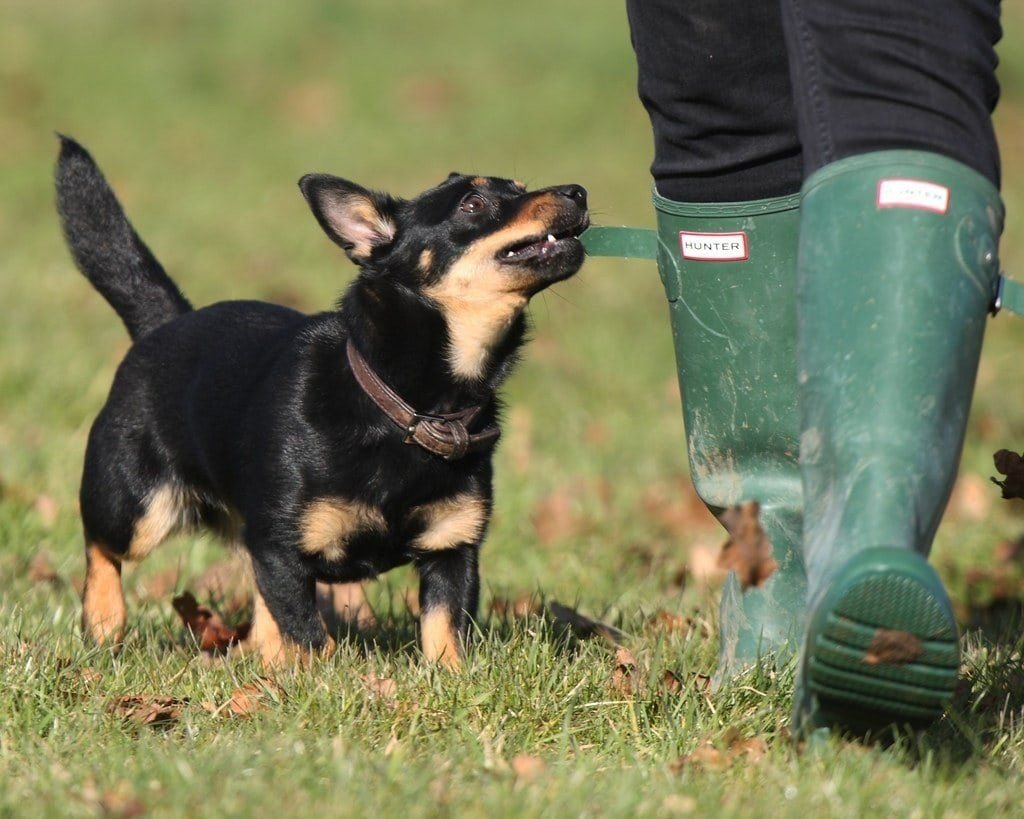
<point x="577" y="193"/>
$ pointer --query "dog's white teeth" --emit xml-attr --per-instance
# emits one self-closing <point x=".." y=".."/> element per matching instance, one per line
<point x="551" y="238"/>
<point x="509" y="255"/>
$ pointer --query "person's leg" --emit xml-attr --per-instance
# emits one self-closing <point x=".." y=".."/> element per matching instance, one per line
<point x="899" y="229"/>
<point x="714" y="79"/>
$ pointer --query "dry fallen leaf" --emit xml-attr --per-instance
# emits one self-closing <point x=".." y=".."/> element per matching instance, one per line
<point x="971" y="498"/>
<point x="41" y="570"/>
<point x="676" y="507"/>
<point x="555" y="517"/>
<point x="119" y="802"/>
<point x="384" y="689"/>
<point x="527" y="767"/>
<point x="1011" y="465"/>
<point x="748" y="552"/>
<point x="254" y="697"/>
<point x="148" y="709"/>
<point x="626" y="677"/>
<point x="47" y="509"/>
<point x="1010" y="551"/>
<point x="721" y="755"/>
<point x="705" y="756"/>
<point x="671" y="683"/>
<point x="211" y="633"/>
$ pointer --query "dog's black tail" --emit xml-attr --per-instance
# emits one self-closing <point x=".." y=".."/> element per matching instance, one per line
<point x="108" y="250"/>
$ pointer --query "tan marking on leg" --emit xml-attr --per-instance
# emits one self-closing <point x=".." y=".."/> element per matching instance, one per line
<point x="519" y="184"/>
<point x="167" y="510"/>
<point x="426" y="260"/>
<point x="103" y="609"/>
<point x="266" y="639"/>
<point x="451" y="522"/>
<point x="344" y="604"/>
<point x="439" y="640"/>
<point x="264" y="636"/>
<point x="329" y="523"/>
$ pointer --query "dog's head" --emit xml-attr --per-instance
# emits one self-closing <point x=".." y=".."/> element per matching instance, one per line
<point x="479" y="247"/>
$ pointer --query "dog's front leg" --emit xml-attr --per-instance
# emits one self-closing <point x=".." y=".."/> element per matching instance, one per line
<point x="286" y="622"/>
<point x="449" y="594"/>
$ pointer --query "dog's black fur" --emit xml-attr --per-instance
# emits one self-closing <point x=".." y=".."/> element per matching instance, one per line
<point x="245" y="417"/>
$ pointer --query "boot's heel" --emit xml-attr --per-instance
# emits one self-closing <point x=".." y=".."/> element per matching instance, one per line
<point x="882" y="648"/>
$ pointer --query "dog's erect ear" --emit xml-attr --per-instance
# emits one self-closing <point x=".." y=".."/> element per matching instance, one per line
<point x="357" y="219"/>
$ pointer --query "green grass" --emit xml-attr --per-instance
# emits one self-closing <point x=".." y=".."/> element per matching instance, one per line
<point x="204" y="115"/>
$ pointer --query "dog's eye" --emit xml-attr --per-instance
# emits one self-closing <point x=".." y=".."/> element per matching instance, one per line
<point x="472" y="203"/>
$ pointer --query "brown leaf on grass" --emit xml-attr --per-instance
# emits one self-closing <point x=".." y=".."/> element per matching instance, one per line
<point x="748" y="552"/>
<point x="891" y="647"/>
<point x="119" y="802"/>
<point x="675" y="506"/>
<point x="582" y="626"/>
<point x="522" y="606"/>
<point x="148" y="709"/>
<point x="1010" y="551"/>
<point x="40" y="570"/>
<point x="626" y="677"/>
<point x="210" y="631"/>
<point x="732" y="747"/>
<point x="254" y="697"/>
<point x="561" y="514"/>
<point x="555" y="517"/>
<point x="700" y="682"/>
<point x="971" y="499"/>
<point x="384" y="689"/>
<point x="671" y="623"/>
<point x="518" y="439"/>
<point x="705" y="756"/>
<point x="90" y="676"/>
<point x="47" y="509"/>
<point x="671" y="683"/>
<point x="527" y="767"/>
<point x="1011" y="465"/>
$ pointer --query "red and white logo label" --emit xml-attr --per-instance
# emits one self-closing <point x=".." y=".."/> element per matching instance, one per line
<point x="714" y="247"/>
<point x="913" y="193"/>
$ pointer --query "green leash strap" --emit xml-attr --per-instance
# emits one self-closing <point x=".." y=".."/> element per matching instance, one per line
<point x="642" y="243"/>
<point x="621" y="242"/>
<point x="1009" y="295"/>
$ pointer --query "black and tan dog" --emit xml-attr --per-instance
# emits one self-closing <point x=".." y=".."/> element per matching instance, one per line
<point x="333" y="446"/>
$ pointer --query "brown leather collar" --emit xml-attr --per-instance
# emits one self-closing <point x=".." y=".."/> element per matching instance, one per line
<point x="444" y="435"/>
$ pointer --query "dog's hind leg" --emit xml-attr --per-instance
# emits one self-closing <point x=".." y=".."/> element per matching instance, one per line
<point x="103" y="609"/>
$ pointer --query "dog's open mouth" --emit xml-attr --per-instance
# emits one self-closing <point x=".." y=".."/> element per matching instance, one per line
<point x="543" y="247"/>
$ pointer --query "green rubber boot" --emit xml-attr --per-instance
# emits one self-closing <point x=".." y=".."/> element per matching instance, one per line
<point x="897" y="272"/>
<point x="729" y="272"/>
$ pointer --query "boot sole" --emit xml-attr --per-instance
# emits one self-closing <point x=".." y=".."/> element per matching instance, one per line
<point x="882" y="649"/>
